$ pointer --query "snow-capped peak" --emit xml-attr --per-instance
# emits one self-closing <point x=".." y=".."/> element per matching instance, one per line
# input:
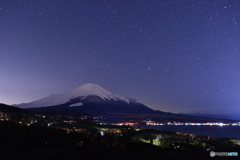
<point x="91" y="89"/>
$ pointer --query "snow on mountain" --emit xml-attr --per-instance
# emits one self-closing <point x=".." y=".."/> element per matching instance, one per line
<point x="91" y="89"/>
<point x="80" y="92"/>
<point x="76" y="104"/>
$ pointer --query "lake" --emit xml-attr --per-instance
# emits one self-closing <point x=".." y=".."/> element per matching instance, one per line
<point x="211" y="131"/>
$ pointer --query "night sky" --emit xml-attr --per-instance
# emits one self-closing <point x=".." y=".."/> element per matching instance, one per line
<point x="171" y="55"/>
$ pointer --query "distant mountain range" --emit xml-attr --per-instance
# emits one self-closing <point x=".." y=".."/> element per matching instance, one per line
<point x="92" y="99"/>
<point x="216" y="116"/>
<point x="10" y="109"/>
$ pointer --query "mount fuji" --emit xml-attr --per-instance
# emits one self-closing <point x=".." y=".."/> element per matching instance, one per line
<point x="80" y="93"/>
<point x="92" y="99"/>
<point x="87" y="99"/>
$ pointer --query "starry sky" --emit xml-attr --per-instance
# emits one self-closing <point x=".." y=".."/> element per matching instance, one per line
<point x="172" y="55"/>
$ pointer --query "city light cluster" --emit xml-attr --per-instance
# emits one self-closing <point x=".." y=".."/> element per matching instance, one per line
<point x="194" y="124"/>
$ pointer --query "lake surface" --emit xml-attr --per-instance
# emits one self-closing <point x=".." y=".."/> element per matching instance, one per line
<point x="211" y="131"/>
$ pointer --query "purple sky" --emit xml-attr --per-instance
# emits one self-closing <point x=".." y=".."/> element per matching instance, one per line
<point x="176" y="56"/>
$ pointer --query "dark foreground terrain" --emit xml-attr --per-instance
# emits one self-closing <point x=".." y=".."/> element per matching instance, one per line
<point x="141" y="152"/>
<point x="41" y="143"/>
<point x="30" y="136"/>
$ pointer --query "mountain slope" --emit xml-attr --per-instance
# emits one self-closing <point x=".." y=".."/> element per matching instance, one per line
<point x="94" y="105"/>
